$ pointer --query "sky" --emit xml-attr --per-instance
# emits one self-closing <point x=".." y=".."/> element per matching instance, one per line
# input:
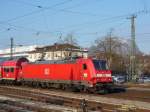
<point x="42" y="22"/>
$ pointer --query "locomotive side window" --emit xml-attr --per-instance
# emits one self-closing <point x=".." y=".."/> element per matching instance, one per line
<point x="84" y="66"/>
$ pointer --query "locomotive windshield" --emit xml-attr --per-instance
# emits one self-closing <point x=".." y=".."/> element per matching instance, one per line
<point x="100" y="64"/>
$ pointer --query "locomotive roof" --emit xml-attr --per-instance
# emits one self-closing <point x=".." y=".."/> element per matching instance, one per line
<point x="69" y="60"/>
<point x="53" y="62"/>
<point x="66" y="60"/>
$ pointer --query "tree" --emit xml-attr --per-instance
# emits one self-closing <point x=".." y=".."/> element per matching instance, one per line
<point x="70" y="39"/>
<point x="115" y="50"/>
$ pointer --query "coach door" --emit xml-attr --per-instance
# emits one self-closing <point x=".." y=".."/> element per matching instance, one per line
<point x="0" y="72"/>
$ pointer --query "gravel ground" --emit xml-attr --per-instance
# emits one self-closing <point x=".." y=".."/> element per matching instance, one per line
<point x="33" y="104"/>
<point x="139" y="89"/>
<point x="113" y="99"/>
<point x="101" y="98"/>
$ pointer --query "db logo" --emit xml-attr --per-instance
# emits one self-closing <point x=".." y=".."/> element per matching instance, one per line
<point x="46" y="71"/>
<point x="85" y="75"/>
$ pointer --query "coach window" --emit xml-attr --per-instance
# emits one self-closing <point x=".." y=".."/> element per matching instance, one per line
<point x="4" y="69"/>
<point x="11" y="69"/>
<point x="7" y="70"/>
<point x="84" y="66"/>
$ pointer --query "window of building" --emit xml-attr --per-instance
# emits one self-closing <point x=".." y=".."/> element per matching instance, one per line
<point x="34" y="56"/>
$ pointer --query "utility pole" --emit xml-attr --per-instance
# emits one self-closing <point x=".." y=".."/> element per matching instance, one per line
<point x="11" y="48"/>
<point x="133" y="74"/>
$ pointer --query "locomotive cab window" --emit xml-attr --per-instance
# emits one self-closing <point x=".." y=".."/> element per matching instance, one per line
<point x="100" y="64"/>
<point x="84" y="66"/>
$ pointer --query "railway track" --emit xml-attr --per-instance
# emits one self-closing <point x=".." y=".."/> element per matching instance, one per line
<point x="135" y="95"/>
<point x="79" y="104"/>
<point x="61" y="98"/>
<point x="22" y="105"/>
<point x="6" y="107"/>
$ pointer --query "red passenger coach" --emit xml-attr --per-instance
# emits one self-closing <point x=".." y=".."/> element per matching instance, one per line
<point x="11" y="68"/>
<point x="0" y="70"/>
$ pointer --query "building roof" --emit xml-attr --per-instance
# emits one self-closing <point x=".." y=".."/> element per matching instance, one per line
<point x="56" y="47"/>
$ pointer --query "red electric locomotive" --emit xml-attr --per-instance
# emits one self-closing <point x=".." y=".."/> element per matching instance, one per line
<point x="80" y="74"/>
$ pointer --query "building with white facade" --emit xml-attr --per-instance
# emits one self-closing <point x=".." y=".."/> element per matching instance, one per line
<point x="51" y="52"/>
<point x="57" y="52"/>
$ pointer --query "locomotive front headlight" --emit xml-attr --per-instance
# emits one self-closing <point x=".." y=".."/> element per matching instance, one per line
<point x="108" y="75"/>
<point x="99" y="75"/>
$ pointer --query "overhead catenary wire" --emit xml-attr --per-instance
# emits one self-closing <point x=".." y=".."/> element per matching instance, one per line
<point x="92" y="22"/>
<point x="99" y="21"/>
<point x="102" y="21"/>
<point x="98" y="32"/>
<point x="59" y="10"/>
<point x="62" y="10"/>
<point x="78" y="25"/>
<point x="111" y="19"/>
<point x="66" y="10"/>
<point x="37" y="11"/>
<point x="71" y="12"/>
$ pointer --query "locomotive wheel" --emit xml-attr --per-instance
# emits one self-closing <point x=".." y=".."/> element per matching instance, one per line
<point x="35" y="84"/>
<point x="2" y="81"/>
<point x="43" y="85"/>
<point x="23" y="83"/>
<point x="85" y="90"/>
<point x="103" y="91"/>
<point x="64" y="87"/>
<point x="47" y="85"/>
